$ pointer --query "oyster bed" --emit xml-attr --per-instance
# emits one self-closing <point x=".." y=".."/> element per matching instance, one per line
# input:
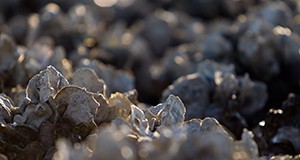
<point x="140" y="79"/>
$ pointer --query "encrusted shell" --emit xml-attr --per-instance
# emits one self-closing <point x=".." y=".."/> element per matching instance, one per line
<point x="87" y="78"/>
<point x="45" y="85"/>
<point x="76" y="105"/>
<point x="5" y="109"/>
<point x="119" y="106"/>
<point x="173" y="112"/>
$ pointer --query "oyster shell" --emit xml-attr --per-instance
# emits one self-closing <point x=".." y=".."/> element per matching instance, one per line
<point x="197" y="99"/>
<point x="45" y="85"/>
<point x="119" y="106"/>
<point x="76" y="104"/>
<point x="34" y="115"/>
<point x="173" y="112"/>
<point x="6" y="108"/>
<point x="8" y="54"/>
<point x="87" y="78"/>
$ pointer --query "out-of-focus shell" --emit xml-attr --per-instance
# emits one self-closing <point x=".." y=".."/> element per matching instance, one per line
<point x="283" y="157"/>
<point x="215" y="46"/>
<point x="276" y="13"/>
<point x="256" y="50"/>
<point x="289" y="44"/>
<point x="197" y="97"/>
<point x="60" y="62"/>
<point x="112" y="143"/>
<point x="87" y="78"/>
<point x="8" y="54"/>
<point x="119" y="106"/>
<point x="246" y="148"/>
<point x="205" y="139"/>
<point x="76" y="104"/>
<point x="209" y="68"/>
<point x="66" y="151"/>
<point x="18" y="26"/>
<point x="51" y="21"/>
<point x="288" y="134"/>
<point x="115" y="79"/>
<point x="39" y="53"/>
<point x="253" y="95"/>
<point x="177" y="62"/>
<point x="45" y="85"/>
<point x="158" y="34"/>
<point x="227" y="85"/>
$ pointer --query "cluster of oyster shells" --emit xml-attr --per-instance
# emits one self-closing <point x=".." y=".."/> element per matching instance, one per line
<point x="79" y="120"/>
<point x="140" y="79"/>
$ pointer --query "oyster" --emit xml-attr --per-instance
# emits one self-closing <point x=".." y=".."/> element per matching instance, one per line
<point x="45" y="85"/>
<point x="6" y="108"/>
<point x="119" y="106"/>
<point x="34" y="115"/>
<point x="87" y="78"/>
<point x="76" y="104"/>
